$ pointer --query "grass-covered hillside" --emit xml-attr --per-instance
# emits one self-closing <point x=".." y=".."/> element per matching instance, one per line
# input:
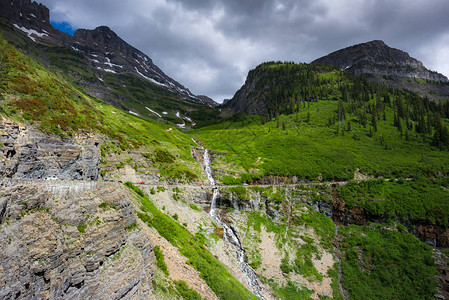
<point x="321" y="123"/>
<point x="45" y="99"/>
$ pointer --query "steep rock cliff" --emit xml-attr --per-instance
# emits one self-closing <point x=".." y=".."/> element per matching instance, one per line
<point x="27" y="153"/>
<point x="67" y="239"/>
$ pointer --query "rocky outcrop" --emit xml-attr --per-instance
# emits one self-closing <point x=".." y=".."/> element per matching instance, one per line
<point x="32" y="19"/>
<point x="198" y="155"/>
<point x="71" y="240"/>
<point x="27" y="153"/>
<point x="250" y="97"/>
<point x="25" y="12"/>
<point x="377" y="58"/>
<point x="442" y="263"/>
<point x="434" y="235"/>
<point x="344" y="215"/>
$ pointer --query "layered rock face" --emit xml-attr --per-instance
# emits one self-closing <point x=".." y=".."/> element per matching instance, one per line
<point x="71" y="240"/>
<point x="26" y="153"/>
<point x="377" y="58"/>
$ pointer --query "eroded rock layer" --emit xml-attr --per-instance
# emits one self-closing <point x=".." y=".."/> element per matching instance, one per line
<point x="71" y="240"/>
<point x="27" y="153"/>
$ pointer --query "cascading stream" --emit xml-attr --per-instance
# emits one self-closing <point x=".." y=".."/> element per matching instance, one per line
<point x="229" y="234"/>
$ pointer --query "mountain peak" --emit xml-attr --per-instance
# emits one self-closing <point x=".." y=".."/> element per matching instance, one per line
<point x="25" y="11"/>
<point x="377" y="42"/>
<point x="103" y="29"/>
<point x="377" y="58"/>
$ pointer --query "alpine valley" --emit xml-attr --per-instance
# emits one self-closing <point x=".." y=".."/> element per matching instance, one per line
<point x="326" y="180"/>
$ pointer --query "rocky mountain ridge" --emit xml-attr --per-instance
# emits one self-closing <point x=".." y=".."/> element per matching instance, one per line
<point x="102" y="48"/>
<point x="377" y="58"/>
<point x="107" y="52"/>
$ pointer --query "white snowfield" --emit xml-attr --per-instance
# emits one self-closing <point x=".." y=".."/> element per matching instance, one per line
<point x="30" y="32"/>
<point x="149" y="79"/>
<point x="111" y="64"/>
<point x="153" y="112"/>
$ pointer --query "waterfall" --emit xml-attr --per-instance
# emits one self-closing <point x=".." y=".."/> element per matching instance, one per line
<point x="208" y="169"/>
<point x="229" y="234"/>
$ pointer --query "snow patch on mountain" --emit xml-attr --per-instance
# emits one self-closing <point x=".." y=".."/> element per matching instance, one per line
<point x="153" y="112"/>
<point x="30" y="32"/>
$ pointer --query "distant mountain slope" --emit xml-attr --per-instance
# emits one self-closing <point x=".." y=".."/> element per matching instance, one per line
<point x="107" y="52"/>
<point x="389" y="66"/>
<point x="377" y="58"/>
<point x="102" y="63"/>
<point x="274" y="88"/>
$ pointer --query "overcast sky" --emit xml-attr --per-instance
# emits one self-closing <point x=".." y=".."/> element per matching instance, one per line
<point x="209" y="46"/>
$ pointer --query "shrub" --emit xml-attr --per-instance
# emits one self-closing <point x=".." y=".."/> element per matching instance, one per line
<point x="132" y="226"/>
<point x="82" y="228"/>
<point x="160" y="259"/>
<point x="185" y="292"/>
<point x="194" y="207"/>
<point x="105" y="205"/>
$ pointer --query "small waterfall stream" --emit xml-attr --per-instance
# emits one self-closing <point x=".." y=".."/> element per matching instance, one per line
<point x="229" y="234"/>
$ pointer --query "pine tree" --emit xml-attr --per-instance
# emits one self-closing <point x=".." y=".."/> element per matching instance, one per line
<point x="341" y="111"/>
<point x="429" y="124"/>
<point x="421" y="128"/>
<point x="441" y="136"/>
<point x="374" y="122"/>
<point x="400" y="107"/>
<point x="395" y="120"/>
<point x="387" y="100"/>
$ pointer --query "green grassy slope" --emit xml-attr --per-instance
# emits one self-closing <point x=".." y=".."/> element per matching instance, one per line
<point x="34" y="95"/>
<point x="382" y="262"/>
<point x="350" y="124"/>
<point x="418" y="201"/>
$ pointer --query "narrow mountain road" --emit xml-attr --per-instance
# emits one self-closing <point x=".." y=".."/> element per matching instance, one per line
<point x="9" y="181"/>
